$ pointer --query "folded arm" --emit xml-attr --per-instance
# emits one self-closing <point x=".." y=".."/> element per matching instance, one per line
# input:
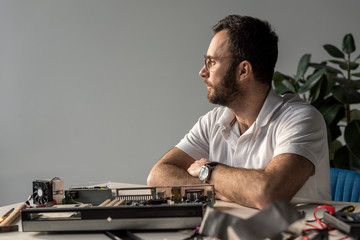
<point x="282" y="178"/>
<point x="171" y="170"/>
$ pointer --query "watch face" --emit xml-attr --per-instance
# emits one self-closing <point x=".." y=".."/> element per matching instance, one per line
<point x="203" y="173"/>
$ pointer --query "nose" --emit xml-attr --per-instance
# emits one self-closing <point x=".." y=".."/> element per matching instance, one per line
<point x="203" y="72"/>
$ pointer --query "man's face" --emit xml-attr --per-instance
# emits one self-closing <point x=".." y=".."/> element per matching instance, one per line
<point x="226" y="91"/>
<point x="220" y="73"/>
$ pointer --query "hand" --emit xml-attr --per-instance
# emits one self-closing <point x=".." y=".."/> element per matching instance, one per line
<point x="194" y="168"/>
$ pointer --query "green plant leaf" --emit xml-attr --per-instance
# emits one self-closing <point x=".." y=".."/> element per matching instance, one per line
<point x="289" y="86"/>
<point x="324" y="88"/>
<point x="352" y="137"/>
<point x="324" y="66"/>
<point x="330" y="82"/>
<point x="348" y="45"/>
<point x="355" y="114"/>
<point x="333" y="51"/>
<point x="342" y="158"/>
<point x="315" y="92"/>
<point x="334" y="146"/>
<point x="332" y="111"/>
<point x="346" y="95"/>
<point x="319" y="91"/>
<point x="357" y="58"/>
<point x="283" y="87"/>
<point x="329" y="112"/>
<point x="279" y="87"/>
<point x="334" y="132"/>
<point x="356" y="74"/>
<point x="311" y="81"/>
<point x="343" y="82"/>
<point x="278" y="77"/>
<point x="356" y="84"/>
<point x="353" y="65"/>
<point x="303" y="66"/>
<point x="354" y="162"/>
<point x="341" y="64"/>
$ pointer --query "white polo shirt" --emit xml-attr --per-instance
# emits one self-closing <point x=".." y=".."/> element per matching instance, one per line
<point x="284" y="125"/>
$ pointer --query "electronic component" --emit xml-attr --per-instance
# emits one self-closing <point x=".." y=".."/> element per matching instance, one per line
<point x="93" y="195"/>
<point x="129" y="208"/>
<point x="42" y="192"/>
<point x="46" y="191"/>
<point x="9" y="228"/>
<point x="348" y="222"/>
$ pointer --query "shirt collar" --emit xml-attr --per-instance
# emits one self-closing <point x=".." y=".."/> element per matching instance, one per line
<point x="271" y="105"/>
<point x="227" y="119"/>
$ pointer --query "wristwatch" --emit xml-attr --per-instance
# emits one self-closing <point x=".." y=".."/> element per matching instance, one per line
<point x="205" y="171"/>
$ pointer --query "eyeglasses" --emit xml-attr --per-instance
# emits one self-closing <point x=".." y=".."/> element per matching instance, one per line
<point x="211" y="61"/>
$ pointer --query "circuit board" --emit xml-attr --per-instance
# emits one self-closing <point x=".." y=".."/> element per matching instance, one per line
<point x="170" y="207"/>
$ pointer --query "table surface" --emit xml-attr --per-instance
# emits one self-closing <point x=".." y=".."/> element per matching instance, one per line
<point x="306" y="205"/>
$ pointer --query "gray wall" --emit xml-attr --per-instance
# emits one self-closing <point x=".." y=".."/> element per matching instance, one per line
<point x="94" y="91"/>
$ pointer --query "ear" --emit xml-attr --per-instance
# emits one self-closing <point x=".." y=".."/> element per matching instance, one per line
<point x="244" y="70"/>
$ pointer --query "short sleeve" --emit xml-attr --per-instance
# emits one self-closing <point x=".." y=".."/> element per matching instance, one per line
<point x="196" y="142"/>
<point x="303" y="132"/>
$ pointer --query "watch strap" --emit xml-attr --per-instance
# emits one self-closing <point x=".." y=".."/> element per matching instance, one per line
<point x="212" y="164"/>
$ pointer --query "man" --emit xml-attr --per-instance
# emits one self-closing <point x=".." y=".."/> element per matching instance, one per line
<point x="256" y="147"/>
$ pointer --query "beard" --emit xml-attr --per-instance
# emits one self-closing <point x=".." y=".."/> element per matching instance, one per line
<point x="226" y="91"/>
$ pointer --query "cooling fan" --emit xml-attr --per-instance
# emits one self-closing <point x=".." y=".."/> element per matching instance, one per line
<point x="48" y="191"/>
<point x="42" y="192"/>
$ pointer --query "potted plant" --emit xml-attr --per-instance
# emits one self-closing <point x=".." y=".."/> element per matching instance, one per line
<point x="333" y="88"/>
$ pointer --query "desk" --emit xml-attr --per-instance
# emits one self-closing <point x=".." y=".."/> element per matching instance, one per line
<point x="232" y="208"/>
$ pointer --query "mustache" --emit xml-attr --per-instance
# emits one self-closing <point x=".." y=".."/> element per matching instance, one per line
<point x="207" y="83"/>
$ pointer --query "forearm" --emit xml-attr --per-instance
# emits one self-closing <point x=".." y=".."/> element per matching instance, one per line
<point x="281" y="179"/>
<point x="237" y="185"/>
<point x="246" y="187"/>
<point x="170" y="170"/>
<point x="164" y="174"/>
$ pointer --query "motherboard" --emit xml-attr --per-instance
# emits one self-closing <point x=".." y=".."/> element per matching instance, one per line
<point x="169" y="207"/>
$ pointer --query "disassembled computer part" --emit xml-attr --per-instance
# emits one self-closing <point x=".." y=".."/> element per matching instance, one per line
<point x="171" y="207"/>
<point x="47" y="191"/>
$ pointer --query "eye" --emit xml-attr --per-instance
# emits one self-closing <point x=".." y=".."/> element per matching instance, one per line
<point x="211" y="62"/>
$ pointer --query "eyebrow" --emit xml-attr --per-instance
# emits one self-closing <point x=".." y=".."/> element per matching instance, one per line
<point x="211" y="57"/>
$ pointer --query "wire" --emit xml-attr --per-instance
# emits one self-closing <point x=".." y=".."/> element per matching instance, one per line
<point x="323" y="229"/>
<point x="53" y="179"/>
<point x="343" y="238"/>
<point x="329" y="208"/>
<point x="76" y="201"/>
<point x="310" y="225"/>
<point x="27" y="202"/>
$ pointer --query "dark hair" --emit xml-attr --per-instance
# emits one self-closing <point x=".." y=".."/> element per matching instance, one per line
<point x="253" y="40"/>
